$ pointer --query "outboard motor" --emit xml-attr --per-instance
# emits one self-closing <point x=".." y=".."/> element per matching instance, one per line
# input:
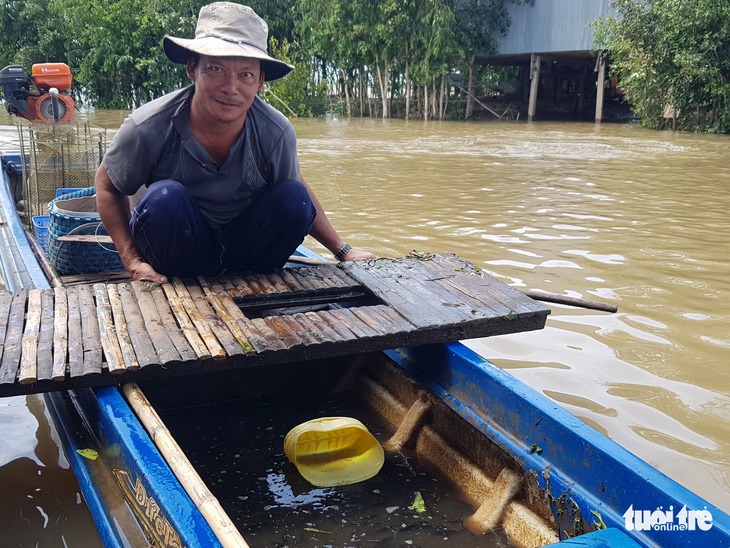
<point x="45" y="103"/>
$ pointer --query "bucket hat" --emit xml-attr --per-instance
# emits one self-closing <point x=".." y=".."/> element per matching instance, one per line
<point x="226" y="29"/>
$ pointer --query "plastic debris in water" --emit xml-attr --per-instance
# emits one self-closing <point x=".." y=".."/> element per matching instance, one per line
<point x="90" y="454"/>
<point x="332" y="451"/>
<point x="419" y="504"/>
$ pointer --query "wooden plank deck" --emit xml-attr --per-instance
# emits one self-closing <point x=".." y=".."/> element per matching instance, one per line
<point x="97" y="334"/>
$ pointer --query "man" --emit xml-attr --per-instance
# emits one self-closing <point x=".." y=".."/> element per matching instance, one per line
<point x="224" y="188"/>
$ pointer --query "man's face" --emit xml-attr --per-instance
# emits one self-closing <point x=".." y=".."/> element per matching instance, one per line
<point x="225" y="87"/>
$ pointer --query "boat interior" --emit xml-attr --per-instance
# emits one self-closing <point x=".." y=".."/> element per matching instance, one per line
<point x="232" y="430"/>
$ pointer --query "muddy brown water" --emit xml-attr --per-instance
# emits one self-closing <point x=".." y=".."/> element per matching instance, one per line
<point x="613" y="212"/>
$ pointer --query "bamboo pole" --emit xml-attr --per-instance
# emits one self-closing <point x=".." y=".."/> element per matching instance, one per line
<point x="29" y="356"/>
<point x="478" y="101"/>
<point x="198" y="322"/>
<point x="86" y="238"/>
<point x="268" y="90"/>
<point x="107" y="331"/>
<point x="187" y="327"/>
<point x="144" y="348"/>
<point x="213" y="321"/>
<point x="125" y="342"/>
<point x="225" y="315"/>
<point x="310" y="261"/>
<point x="45" y="336"/>
<point x="153" y="324"/>
<point x="46" y="266"/>
<point x="194" y="486"/>
<point x="60" y="334"/>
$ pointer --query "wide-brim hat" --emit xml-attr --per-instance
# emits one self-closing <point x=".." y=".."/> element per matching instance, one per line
<point x="226" y="29"/>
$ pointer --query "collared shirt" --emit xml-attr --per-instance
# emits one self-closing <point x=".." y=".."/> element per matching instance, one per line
<point x="155" y="143"/>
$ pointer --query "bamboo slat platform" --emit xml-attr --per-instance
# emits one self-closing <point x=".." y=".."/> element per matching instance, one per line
<point x="101" y="334"/>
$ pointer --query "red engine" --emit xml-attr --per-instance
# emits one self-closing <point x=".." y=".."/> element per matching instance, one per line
<point x="38" y="97"/>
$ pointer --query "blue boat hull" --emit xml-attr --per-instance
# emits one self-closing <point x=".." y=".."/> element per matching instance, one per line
<point x="589" y="481"/>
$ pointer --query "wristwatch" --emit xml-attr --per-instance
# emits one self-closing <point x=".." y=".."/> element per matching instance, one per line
<point x="340" y="255"/>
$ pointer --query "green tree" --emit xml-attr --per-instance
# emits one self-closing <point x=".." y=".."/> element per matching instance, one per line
<point x="115" y="47"/>
<point x="338" y="33"/>
<point x="436" y="49"/>
<point x="279" y="16"/>
<point x="673" y="59"/>
<point x="298" y="94"/>
<point x="31" y="33"/>
<point x="392" y="50"/>
<point x="400" y="45"/>
<point x="477" y="22"/>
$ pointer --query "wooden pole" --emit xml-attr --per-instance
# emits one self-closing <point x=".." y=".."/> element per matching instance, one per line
<point x="601" y="62"/>
<point x="468" y="94"/>
<point x="194" y="486"/>
<point x="535" y="81"/>
<point x="347" y="93"/>
<point x="469" y="106"/>
<point x="570" y="301"/>
<point x="46" y="265"/>
<point x="275" y="96"/>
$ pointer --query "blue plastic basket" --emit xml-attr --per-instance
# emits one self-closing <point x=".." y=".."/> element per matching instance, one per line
<point x="61" y="191"/>
<point x="40" y="228"/>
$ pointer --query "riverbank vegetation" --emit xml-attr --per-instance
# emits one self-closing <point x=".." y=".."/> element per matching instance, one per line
<point x="672" y="58"/>
<point x="358" y="57"/>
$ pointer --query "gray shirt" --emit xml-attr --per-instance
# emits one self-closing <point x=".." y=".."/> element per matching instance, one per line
<point x="155" y="143"/>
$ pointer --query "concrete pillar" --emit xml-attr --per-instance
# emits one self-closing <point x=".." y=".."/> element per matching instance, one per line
<point x="601" y="65"/>
<point x="535" y="80"/>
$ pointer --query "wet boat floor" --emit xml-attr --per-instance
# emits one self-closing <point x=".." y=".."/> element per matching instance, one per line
<point x="237" y="448"/>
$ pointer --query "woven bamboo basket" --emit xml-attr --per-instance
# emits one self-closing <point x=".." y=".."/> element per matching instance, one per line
<point x="76" y="213"/>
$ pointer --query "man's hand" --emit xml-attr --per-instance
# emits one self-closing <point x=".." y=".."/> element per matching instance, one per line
<point x="359" y="255"/>
<point x="115" y="213"/>
<point x="143" y="272"/>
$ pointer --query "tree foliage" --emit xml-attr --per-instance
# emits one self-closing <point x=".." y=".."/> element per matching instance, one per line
<point x="378" y="55"/>
<point x="112" y="46"/>
<point x="299" y="94"/>
<point x="391" y="46"/>
<point x="31" y="33"/>
<point x="116" y="48"/>
<point x="673" y="59"/>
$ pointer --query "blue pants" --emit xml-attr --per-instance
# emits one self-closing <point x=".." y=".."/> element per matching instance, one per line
<point x="172" y="235"/>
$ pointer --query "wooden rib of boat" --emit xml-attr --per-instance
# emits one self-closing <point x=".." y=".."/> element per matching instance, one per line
<point x="514" y="461"/>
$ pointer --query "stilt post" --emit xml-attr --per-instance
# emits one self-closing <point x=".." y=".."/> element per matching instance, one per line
<point x="601" y="68"/>
<point x="535" y="80"/>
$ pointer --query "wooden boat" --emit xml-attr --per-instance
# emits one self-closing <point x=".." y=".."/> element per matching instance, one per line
<point x="474" y="457"/>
